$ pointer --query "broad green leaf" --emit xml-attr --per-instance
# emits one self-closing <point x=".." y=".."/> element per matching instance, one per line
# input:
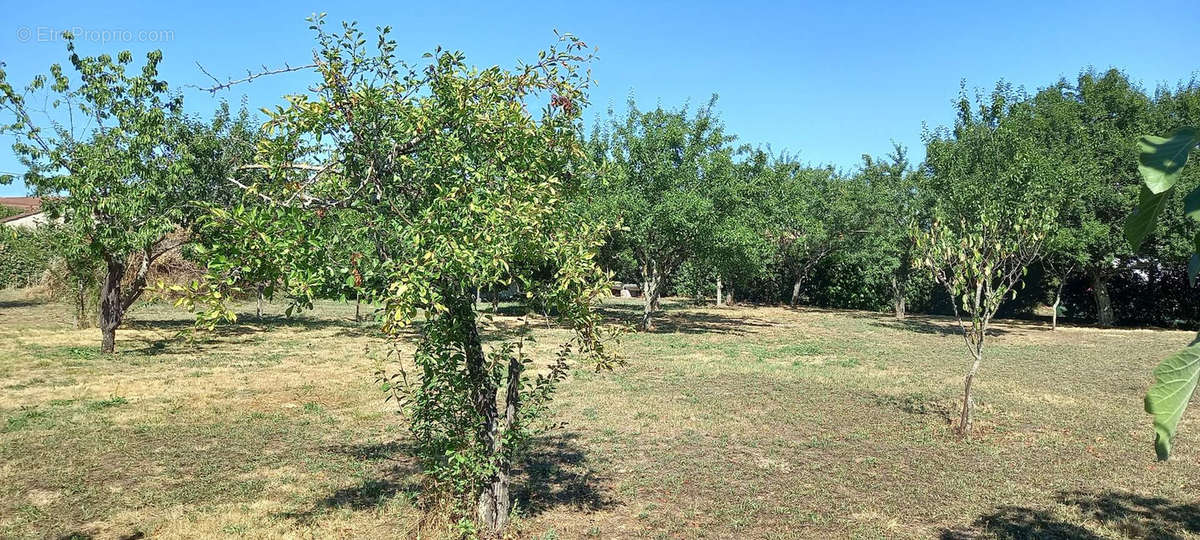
<point x="1141" y="222"/>
<point x="1174" y="382"/>
<point x="1161" y="158"/>
<point x="1191" y="204"/>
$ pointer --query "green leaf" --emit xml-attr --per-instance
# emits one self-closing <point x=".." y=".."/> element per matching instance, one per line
<point x="1160" y="159"/>
<point x="1193" y="268"/>
<point x="1141" y="222"/>
<point x="1174" y="382"/>
<point x="1191" y="204"/>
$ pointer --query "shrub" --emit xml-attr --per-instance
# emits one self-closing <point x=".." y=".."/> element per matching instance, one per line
<point x="25" y="255"/>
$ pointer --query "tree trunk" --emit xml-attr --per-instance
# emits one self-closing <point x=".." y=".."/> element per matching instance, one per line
<point x="258" y="310"/>
<point x="81" y="318"/>
<point x="493" y="504"/>
<point x="720" y="299"/>
<point x="111" y="307"/>
<point x="898" y="300"/>
<point x="1104" y="309"/>
<point x="796" y="291"/>
<point x="1057" y="303"/>
<point x="729" y="297"/>
<point x="650" y="300"/>
<point x="965" y="417"/>
<point x="357" y="307"/>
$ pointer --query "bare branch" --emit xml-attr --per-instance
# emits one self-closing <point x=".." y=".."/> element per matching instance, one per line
<point x="250" y="76"/>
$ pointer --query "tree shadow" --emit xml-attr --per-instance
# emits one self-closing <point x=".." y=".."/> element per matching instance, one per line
<point x="682" y="321"/>
<point x="78" y="535"/>
<point x="393" y="473"/>
<point x="222" y="335"/>
<point x="13" y="304"/>
<point x="930" y="326"/>
<point x="1015" y="522"/>
<point x="1135" y="516"/>
<point x="554" y="474"/>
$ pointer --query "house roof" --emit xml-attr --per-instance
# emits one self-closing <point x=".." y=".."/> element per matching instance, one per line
<point x="23" y="204"/>
<point x="25" y="207"/>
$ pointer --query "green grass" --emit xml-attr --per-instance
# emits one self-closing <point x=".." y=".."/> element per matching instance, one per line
<point x="729" y="423"/>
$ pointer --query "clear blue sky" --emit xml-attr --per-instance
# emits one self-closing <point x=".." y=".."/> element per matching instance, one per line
<point x="829" y="81"/>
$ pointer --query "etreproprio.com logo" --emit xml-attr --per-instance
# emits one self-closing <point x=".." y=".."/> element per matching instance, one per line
<point x="26" y="34"/>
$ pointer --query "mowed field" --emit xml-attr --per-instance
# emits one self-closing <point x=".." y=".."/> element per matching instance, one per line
<point x="742" y="422"/>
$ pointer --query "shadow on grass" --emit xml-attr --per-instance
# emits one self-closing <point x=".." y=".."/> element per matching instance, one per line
<point x="13" y="304"/>
<point x="1134" y="516"/>
<point x="223" y="334"/>
<point x="135" y="535"/>
<point x="554" y="474"/>
<point x="679" y="319"/>
<point x="946" y="327"/>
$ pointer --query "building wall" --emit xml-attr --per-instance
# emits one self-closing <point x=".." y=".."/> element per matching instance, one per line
<point x="30" y="221"/>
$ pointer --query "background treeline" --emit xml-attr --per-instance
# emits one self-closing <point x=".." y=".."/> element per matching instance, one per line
<point x="702" y="212"/>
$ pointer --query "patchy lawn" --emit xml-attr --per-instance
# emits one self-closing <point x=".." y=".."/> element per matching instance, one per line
<point x="727" y="423"/>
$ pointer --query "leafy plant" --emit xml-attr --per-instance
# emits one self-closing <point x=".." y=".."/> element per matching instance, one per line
<point x="1160" y="162"/>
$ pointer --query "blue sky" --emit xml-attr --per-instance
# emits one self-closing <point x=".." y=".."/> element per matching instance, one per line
<point x="827" y="81"/>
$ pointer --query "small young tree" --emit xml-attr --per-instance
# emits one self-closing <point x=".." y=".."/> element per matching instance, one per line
<point x="467" y="187"/>
<point x="991" y="212"/>
<point x="981" y="263"/>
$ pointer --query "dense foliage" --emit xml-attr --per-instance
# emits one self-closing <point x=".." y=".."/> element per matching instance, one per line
<point x="26" y="255"/>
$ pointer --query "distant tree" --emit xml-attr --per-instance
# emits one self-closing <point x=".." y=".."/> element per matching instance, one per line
<point x="894" y="206"/>
<point x="815" y="212"/>
<point x="991" y="213"/>
<point x="665" y="166"/>
<point x="1089" y="124"/>
<point x="740" y="249"/>
<point x="114" y="165"/>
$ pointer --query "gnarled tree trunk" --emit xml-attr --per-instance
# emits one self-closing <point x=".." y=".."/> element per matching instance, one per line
<point x="1057" y="303"/>
<point x="1104" y="309"/>
<point x="258" y="310"/>
<point x="898" y="297"/>
<point x="650" y="301"/>
<point x="114" y="302"/>
<point x="494" y="502"/>
<point x="111" y="310"/>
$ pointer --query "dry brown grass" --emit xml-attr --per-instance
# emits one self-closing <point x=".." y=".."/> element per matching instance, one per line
<point x="728" y="423"/>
